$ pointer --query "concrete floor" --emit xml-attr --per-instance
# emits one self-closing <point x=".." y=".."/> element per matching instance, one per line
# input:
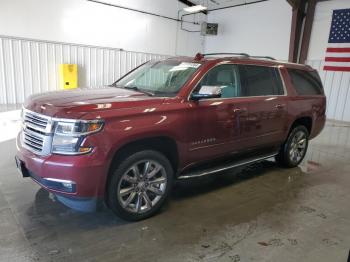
<point x="260" y="213"/>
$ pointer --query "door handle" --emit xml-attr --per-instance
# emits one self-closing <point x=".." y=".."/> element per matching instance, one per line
<point x="280" y="106"/>
<point x="239" y="110"/>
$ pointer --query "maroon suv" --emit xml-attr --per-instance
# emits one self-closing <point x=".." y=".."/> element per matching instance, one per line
<point x="177" y="118"/>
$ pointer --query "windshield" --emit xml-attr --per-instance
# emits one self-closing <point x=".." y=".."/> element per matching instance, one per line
<point x="160" y="77"/>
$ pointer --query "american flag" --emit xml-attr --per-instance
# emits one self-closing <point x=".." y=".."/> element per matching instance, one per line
<point x="338" y="50"/>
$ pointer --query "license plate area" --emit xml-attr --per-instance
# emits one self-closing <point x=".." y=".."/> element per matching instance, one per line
<point x="21" y="167"/>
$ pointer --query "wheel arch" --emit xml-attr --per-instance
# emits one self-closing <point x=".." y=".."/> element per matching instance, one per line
<point x="304" y="121"/>
<point x="163" y="144"/>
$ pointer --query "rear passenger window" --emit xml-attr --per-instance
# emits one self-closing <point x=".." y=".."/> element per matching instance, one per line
<point x="260" y="81"/>
<point x="306" y="83"/>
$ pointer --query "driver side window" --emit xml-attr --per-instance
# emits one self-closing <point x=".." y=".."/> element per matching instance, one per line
<point x="224" y="78"/>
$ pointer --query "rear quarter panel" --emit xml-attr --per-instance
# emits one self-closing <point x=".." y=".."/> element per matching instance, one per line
<point x="308" y="106"/>
<point x="313" y="106"/>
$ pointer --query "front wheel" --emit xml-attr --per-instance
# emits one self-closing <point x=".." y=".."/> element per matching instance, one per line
<point x="139" y="185"/>
<point x="294" y="149"/>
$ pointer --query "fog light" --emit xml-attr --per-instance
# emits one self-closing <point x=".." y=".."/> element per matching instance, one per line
<point x="59" y="184"/>
<point x="67" y="185"/>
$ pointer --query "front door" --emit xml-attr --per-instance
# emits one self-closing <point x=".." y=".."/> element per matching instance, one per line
<point x="217" y="124"/>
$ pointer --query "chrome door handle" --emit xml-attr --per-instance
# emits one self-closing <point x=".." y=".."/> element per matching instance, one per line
<point x="280" y="106"/>
<point x="239" y="110"/>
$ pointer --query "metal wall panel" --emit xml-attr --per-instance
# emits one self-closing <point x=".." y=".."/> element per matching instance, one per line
<point x="30" y="66"/>
<point x="336" y="86"/>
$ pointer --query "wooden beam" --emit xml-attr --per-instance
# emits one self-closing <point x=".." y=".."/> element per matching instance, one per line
<point x="296" y="30"/>
<point x="309" y="19"/>
<point x="293" y="3"/>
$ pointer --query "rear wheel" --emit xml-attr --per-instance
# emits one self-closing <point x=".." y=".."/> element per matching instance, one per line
<point x="294" y="149"/>
<point x="140" y="184"/>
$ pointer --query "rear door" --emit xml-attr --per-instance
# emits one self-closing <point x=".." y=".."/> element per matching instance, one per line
<point x="266" y="122"/>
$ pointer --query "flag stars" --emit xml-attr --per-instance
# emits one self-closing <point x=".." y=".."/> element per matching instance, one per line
<point x="340" y="25"/>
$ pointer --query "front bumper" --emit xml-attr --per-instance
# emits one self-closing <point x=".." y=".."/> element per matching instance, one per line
<point x="77" y="181"/>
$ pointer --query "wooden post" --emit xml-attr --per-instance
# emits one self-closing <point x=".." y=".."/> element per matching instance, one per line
<point x="296" y="30"/>
<point x="309" y="19"/>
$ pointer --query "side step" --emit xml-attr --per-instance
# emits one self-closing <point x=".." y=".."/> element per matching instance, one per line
<point x="223" y="167"/>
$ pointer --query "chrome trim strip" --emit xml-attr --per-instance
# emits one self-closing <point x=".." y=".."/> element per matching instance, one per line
<point x="71" y="153"/>
<point x="208" y="172"/>
<point x="59" y="180"/>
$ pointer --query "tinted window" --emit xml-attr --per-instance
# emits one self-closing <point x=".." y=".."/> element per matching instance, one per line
<point x="225" y="77"/>
<point x="306" y="83"/>
<point x="260" y="81"/>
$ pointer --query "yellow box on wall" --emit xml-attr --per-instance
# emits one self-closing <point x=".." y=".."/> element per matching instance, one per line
<point x="68" y="76"/>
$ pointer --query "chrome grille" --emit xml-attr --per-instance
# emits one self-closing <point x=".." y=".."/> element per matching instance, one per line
<point x="36" y="121"/>
<point x="36" y="135"/>
<point x="33" y="141"/>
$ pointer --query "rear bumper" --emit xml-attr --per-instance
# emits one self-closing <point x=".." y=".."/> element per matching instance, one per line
<point x="77" y="181"/>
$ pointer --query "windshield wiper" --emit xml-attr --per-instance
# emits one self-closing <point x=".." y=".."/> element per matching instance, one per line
<point x="137" y="89"/>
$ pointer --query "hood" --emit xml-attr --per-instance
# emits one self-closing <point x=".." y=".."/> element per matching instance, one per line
<point x="78" y="102"/>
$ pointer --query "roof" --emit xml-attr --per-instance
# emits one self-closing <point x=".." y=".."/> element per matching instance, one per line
<point x="239" y="58"/>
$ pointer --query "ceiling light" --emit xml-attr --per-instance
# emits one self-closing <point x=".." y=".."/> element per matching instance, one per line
<point x="195" y="8"/>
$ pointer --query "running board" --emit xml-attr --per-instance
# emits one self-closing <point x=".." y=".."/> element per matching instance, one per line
<point x="224" y="167"/>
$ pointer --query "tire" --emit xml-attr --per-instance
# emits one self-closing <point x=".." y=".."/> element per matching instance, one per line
<point x="133" y="195"/>
<point x="293" y="150"/>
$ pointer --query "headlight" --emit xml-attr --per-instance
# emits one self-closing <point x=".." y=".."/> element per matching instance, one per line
<point x="68" y="136"/>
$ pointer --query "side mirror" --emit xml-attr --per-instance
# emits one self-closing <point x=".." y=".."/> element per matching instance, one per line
<point x="196" y="97"/>
<point x="207" y="92"/>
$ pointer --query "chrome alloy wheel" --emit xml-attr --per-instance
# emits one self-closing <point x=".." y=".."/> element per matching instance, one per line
<point x="142" y="186"/>
<point x="297" y="146"/>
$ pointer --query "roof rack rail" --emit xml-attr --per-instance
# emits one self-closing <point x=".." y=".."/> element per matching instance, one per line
<point x="264" y="57"/>
<point x="241" y="54"/>
<point x="200" y="56"/>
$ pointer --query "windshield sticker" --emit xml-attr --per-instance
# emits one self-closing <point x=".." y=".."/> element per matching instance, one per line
<point x="192" y="65"/>
<point x="184" y="66"/>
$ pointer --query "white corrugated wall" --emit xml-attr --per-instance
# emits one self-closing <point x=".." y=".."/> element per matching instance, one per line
<point x="31" y="66"/>
<point x="337" y="90"/>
